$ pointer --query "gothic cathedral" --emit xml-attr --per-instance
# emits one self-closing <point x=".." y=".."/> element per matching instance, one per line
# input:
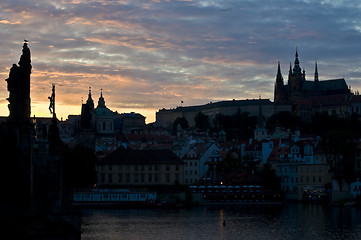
<point x="299" y="88"/>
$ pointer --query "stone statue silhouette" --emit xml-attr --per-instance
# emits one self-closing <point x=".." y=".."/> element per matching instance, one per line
<point x="19" y="88"/>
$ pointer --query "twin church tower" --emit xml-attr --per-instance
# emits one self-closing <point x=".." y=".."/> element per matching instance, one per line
<point x="299" y="88"/>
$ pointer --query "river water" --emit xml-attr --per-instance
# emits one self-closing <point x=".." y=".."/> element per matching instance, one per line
<point x="292" y="221"/>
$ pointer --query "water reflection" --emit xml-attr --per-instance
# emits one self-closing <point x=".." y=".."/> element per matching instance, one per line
<point x="293" y="221"/>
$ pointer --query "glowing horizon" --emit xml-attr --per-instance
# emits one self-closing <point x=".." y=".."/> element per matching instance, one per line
<point x="152" y="55"/>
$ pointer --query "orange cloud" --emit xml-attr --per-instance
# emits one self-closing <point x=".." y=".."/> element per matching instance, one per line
<point x="4" y="21"/>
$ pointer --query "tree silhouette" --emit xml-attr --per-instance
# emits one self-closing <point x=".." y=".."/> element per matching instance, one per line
<point x="201" y="121"/>
<point x="339" y="149"/>
<point x="270" y="179"/>
<point x="182" y="121"/>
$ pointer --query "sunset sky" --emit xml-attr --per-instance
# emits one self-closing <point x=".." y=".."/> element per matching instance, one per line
<point x="149" y="55"/>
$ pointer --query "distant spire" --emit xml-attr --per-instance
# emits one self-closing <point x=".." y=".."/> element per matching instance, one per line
<point x="90" y="101"/>
<point x="316" y="72"/>
<point x="101" y="102"/>
<point x="90" y="93"/>
<point x="296" y="68"/>
<point x="290" y="71"/>
<point x="279" y="78"/>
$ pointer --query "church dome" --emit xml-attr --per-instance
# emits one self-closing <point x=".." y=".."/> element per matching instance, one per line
<point x="101" y="109"/>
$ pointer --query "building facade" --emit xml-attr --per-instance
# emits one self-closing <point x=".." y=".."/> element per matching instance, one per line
<point x="125" y="167"/>
<point x="195" y="161"/>
<point x="166" y="117"/>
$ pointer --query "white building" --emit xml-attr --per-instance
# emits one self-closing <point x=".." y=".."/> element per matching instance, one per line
<point x="195" y="166"/>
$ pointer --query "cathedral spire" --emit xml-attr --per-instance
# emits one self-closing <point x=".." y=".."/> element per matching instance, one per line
<point x="279" y="91"/>
<point x="316" y="72"/>
<point x="296" y="68"/>
<point x="279" y="78"/>
<point x="290" y="71"/>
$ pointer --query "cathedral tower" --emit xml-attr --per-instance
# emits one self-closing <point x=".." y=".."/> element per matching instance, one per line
<point x="279" y="93"/>
<point x="296" y="78"/>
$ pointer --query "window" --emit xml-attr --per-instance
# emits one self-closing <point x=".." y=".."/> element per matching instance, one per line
<point x="167" y="168"/>
<point x="150" y="168"/>
<point x="127" y="178"/>
<point x="110" y="167"/>
<point x="102" y="177"/>
<point x="136" y="178"/>
<point x="195" y="164"/>
<point x="120" y="177"/>
<point x="110" y="178"/>
<point x="142" y="177"/>
<point x="177" y="167"/>
<point x="167" y="177"/>
<point x="156" y="177"/>
<point x="149" y="177"/>
<point x="136" y="168"/>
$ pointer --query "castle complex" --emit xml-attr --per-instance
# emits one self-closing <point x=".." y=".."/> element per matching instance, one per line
<point x="301" y="96"/>
<point x="299" y="88"/>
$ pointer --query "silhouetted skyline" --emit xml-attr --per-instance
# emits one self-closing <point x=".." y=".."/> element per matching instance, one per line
<point x="155" y="54"/>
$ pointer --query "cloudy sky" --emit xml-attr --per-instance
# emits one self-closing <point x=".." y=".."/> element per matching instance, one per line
<point x="152" y="54"/>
